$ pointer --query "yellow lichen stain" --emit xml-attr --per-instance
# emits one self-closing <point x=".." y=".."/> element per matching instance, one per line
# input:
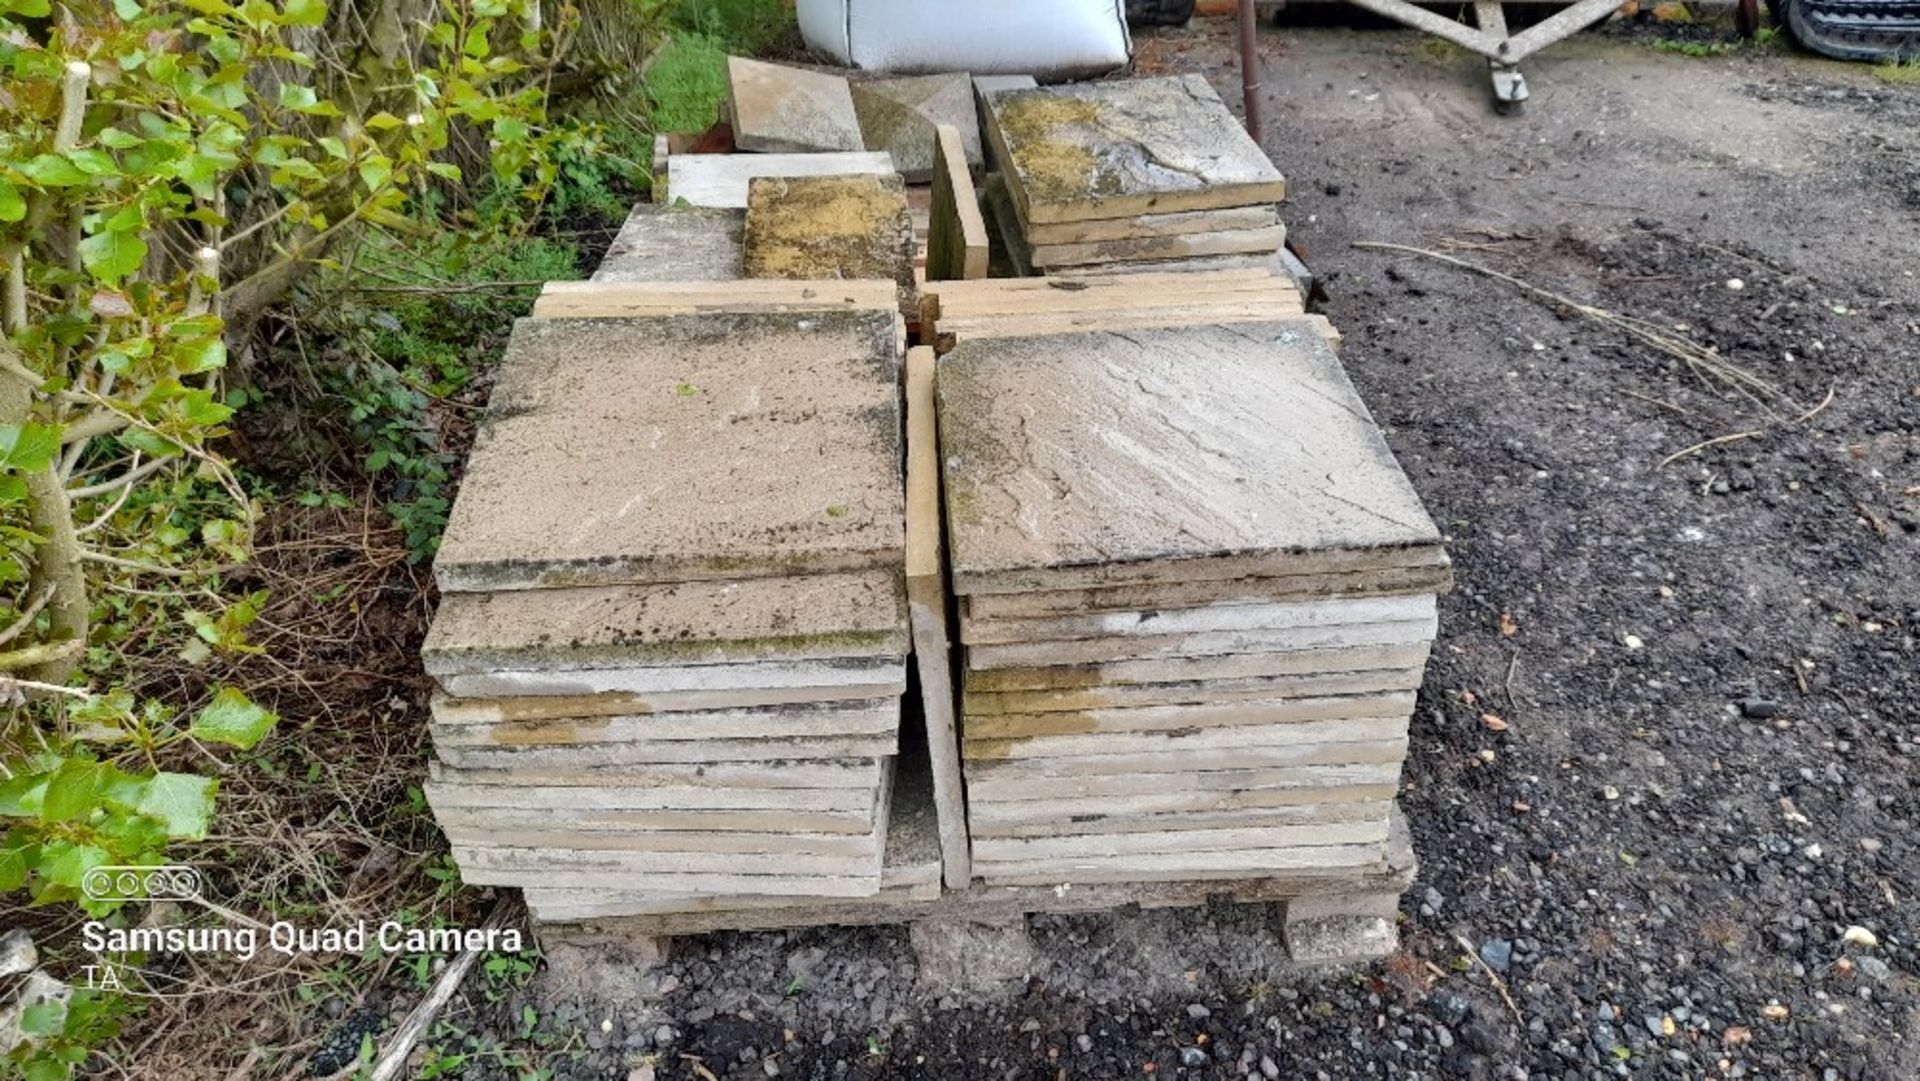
<point x="544" y="733"/>
<point x="1051" y="165"/>
<point x="813" y="228"/>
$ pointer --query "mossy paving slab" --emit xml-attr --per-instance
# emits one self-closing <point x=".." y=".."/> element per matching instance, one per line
<point x="820" y="228"/>
<point x="798" y="617"/>
<point x="1106" y="457"/>
<point x="1127" y="147"/>
<point x="679" y="448"/>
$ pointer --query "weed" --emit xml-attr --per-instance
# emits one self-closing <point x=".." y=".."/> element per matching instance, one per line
<point x="1900" y="72"/>
<point x="736" y="26"/>
<point x="686" y="84"/>
<point x="1696" y="49"/>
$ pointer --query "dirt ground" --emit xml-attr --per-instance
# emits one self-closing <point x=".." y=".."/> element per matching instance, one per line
<point x="1665" y="777"/>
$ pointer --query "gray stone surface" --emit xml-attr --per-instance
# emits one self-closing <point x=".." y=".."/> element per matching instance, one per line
<point x="1125" y="147"/>
<point x="898" y="116"/>
<point x="785" y="109"/>
<point x="620" y="451"/>
<point x="796" y="617"/>
<point x="1251" y="727"/>
<point x="814" y="720"/>
<point x="858" y="776"/>
<point x="959" y="955"/>
<point x="1114" y="845"/>
<point x="1337" y="611"/>
<point x="1183" y="866"/>
<point x="1437" y="578"/>
<point x="750" y="679"/>
<point x="1245" y="818"/>
<point x="604" y="755"/>
<point x="1341" y="939"/>
<point x="449" y="710"/>
<point x="1174" y="764"/>
<point x="459" y="810"/>
<point x="720" y="180"/>
<point x="1142" y="647"/>
<point x="669" y="243"/>
<point x="991" y="713"/>
<point x="1159" y="450"/>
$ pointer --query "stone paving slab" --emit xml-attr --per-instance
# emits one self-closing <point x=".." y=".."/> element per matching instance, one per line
<point x="986" y="709"/>
<point x="1007" y="850"/>
<point x="567" y="799"/>
<point x="449" y="710"/>
<point x="720" y="180"/>
<point x="1125" y="147"/>
<point x="1144" y="647"/>
<point x="838" y="776"/>
<point x="1336" y="611"/>
<point x="480" y="873"/>
<point x="1154" y="451"/>
<point x="1037" y="605"/>
<point x="649" y="752"/>
<point x="1246" y="818"/>
<point x="779" y="109"/>
<point x="619" y="451"/>
<point x="452" y="811"/>
<point x="1187" y="717"/>
<point x="564" y="835"/>
<point x="1146" y="792"/>
<point x="1183" y="867"/>
<point x="1181" y="748"/>
<point x="675" y="243"/>
<point x="1188" y="669"/>
<point x="1169" y="761"/>
<point x="1155" y="225"/>
<point x="751" y="677"/>
<point x="1182" y="246"/>
<point x="812" y="720"/>
<point x="562" y="859"/>
<point x="797" y="617"/>
<point x="899" y="115"/>
<point x="826" y="227"/>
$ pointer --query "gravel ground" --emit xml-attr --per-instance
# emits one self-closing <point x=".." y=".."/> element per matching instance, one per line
<point x="1663" y="779"/>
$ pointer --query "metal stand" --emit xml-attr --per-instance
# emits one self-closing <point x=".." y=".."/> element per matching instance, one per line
<point x="1490" y="39"/>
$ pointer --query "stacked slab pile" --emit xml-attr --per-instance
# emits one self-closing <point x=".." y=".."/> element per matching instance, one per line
<point x="673" y="634"/>
<point x="1129" y="172"/>
<point x="1197" y="595"/>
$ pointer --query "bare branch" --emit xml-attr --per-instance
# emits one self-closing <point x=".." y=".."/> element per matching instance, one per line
<point x="26" y="617"/>
<point x="124" y="480"/>
<point x="44" y="653"/>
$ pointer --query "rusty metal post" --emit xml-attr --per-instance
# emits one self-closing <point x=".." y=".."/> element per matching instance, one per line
<point x="1249" y="69"/>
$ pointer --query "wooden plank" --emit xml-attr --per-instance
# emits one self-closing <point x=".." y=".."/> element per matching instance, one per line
<point x="956" y="231"/>
<point x="615" y="300"/>
<point x="722" y="179"/>
<point x="1183" y="246"/>
<point x="927" y="612"/>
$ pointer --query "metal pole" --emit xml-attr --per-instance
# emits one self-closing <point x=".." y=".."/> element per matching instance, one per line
<point x="1249" y="70"/>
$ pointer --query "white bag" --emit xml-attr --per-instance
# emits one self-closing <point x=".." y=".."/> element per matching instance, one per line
<point x="1048" y="39"/>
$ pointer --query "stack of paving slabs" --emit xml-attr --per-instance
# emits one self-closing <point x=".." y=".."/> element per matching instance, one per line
<point x="1196" y="594"/>
<point x="1131" y="171"/>
<point x="672" y="641"/>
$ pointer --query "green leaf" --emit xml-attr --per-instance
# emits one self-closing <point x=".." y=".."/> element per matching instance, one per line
<point x="94" y="162"/>
<point x="374" y="172"/>
<point x="73" y="791"/>
<point x="44" y="1018"/>
<point x="66" y="864"/>
<point x="294" y="96"/>
<point x="112" y="256"/>
<point x="233" y="719"/>
<point x="53" y="171"/>
<point x="305" y="12"/>
<point x="28" y="448"/>
<point x="32" y="9"/>
<point x="21" y="796"/>
<point x="13" y="206"/>
<point x="184" y="801"/>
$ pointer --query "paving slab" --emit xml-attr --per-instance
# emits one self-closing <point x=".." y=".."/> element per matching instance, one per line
<point x="1330" y="612"/>
<point x="1147" y="793"/>
<point x="651" y="752"/>
<point x="994" y="713"/>
<point x="675" y="243"/>
<point x="1182" y="246"/>
<point x="899" y="115"/>
<point x="814" y="720"/>
<point x="1184" y="748"/>
<point x="1154" y="225"/>
<point x="786" y="109"/>
<point x="449" y="710"/>
<point x="1184" y="867"/>
<point x="1246" y="818"/>
<point x="825" y="227"/>
<point x="1125" y="147"/>
<point x="451" y="814"/>
<point x="1139" y="647"/>
<point x="561" y="860"/>
<point x="957" y="245"/>
<point x="1092" y="459"/>
<point x="567" y="799"/>
<point x="1003" y="851"/>
<point x="1188" y="669"/>
<point x="564" y="835"/>
<point x="615" y="300"/>
<point x="720" y="180"/>
<point x="476" y="872"/>
<point x="841" y="776"/>
<point x="857" y="676"/>
<point x="1437" y="578"/>
<point x="1188" y="718"/>
<point x="982" y="86"/>
<point x="581" y="473"/>
<point x="795" y="617"/>
<point x="1169" y="761"/>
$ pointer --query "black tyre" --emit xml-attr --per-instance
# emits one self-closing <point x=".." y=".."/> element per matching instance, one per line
<point x="1874" y="31"/>
<point x="1159" y="12"/>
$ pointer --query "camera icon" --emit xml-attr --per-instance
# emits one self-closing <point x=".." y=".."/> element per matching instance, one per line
<point x="161" y="882"/>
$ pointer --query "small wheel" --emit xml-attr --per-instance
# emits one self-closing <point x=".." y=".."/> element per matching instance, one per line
<point x="1509" y="108"/>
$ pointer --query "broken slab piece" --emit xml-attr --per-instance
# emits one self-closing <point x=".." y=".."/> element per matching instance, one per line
<point x="927" y="605"/>
<point x="829" y="227"/>
<point x="957" y="246"/>
<point x="720" y="180"/>
<point x="668" y="243"/>
<point x="621" y="451"/>
<point x="1126" y="147"/>
<point x="786" y="109"/>
<point x="1276" y="458"/>
<point x="899" y="116"/>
